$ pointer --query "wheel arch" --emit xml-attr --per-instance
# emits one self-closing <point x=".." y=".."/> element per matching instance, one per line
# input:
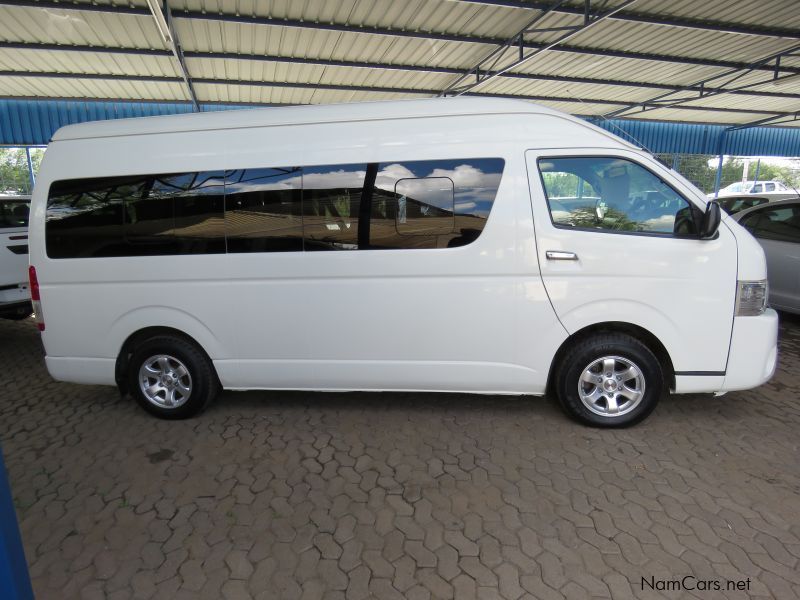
<point x="636" y="331"/>
<point x="138" y="337"/>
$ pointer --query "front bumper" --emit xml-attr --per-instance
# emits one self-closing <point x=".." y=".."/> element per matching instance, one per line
<point x="754" y="351"/>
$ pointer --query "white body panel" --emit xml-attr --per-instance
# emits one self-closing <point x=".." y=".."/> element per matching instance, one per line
<point x="474" y="318"/>
<point x="13" y="261"/>
<point x="681" y="290"/>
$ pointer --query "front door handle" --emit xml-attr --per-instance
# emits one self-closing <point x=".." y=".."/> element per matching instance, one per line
<point x="560" y="255"/>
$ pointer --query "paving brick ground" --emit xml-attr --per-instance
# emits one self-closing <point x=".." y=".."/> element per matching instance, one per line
<point x="354" y="496"/>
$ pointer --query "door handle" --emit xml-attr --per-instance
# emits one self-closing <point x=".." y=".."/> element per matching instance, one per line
<point x="560" y="255"/>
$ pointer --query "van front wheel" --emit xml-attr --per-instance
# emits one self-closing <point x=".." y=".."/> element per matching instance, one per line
<point x="609" y="380"/>
<point x="171" y="378"/>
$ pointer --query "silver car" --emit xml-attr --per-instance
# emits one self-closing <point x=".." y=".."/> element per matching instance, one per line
<point x="735" y="204"/>
<point x="776" y="226"/>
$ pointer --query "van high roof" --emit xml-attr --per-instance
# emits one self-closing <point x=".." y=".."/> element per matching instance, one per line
<point x="308" y="114"/>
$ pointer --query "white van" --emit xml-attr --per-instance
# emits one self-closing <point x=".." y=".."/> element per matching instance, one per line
<point x="15" y="300"/>
<point x="447" y="245"/>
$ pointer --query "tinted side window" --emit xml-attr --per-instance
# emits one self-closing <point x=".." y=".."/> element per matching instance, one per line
<point x="263" y="210"/>
<point x="432" y="203"/>
<point x="780" y="224"/>
<point x="331" y="204"/>
<point x="14" y="213"/>
<point x="425" y="206"/>
<point x="199" y="211"/>
<point x="175" y="214"/>
<point x="84" y="217"/>
<point x="137" y="215"/>
<point x="734" y="205"/>
<point x="613" y="194"/>
<point x="415" y="204"/>
<point x="750" y="222"/>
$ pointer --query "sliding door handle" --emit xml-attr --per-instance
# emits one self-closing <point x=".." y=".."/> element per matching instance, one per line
<point x="560" y="255"/>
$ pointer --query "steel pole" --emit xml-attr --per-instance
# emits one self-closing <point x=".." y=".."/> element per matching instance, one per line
<point x="31" y="176"/>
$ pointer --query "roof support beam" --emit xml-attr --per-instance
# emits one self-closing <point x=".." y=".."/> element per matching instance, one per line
<point x="269" y="58"/>
<point x="343" y="28"/>
<point x="48" y="47"/>
<point x="163" y="19"/>
<point x="772" y="121"/>
<point x="650" y="19"/>
<point x="324" y="62"/>
<point x="93" y="76"/>
<point x="353" y="88"/>
<point x="675" y="97"/>
<point x="488" y="68"/>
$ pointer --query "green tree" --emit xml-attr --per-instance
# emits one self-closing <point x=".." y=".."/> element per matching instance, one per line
<point x="14" y="177"/>
<point x="733" y="168"/>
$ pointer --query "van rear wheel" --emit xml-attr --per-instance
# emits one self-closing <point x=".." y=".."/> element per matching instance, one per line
<point x="609" y="380"/>
<point x="171" y="378"/>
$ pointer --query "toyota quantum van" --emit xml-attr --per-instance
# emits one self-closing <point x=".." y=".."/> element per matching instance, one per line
<point x="444" y="245"/>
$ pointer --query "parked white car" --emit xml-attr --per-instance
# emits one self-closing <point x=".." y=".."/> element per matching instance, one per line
<point x="447" y="245"/>
<point x="770" y="190"/>
<point x="15" y="299"/>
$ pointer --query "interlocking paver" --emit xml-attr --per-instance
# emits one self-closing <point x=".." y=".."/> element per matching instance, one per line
<point x="336" y="496"/>
<point x="508" y="577"/>
<point x="421" y="555"/>
<point x="447" y="562"/>
<point x="438" y="587"/>
<point x="193" y="576"/>
<point x="358" y="583"/>
<point x="404" y="571"/>
<point x="327" y="546"/>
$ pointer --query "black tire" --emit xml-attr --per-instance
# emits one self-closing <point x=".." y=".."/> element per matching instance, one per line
<point x="586" y="351"/>
<point x="203" y="383"/>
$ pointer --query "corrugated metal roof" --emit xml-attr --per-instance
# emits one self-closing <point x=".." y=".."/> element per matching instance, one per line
<point x="765" y="13"/>
<point x="232" y="49"/>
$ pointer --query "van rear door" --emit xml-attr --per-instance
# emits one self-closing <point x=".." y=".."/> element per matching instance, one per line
<point x="617" y="242"/>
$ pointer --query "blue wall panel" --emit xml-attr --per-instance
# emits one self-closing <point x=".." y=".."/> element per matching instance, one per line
<point x="698" y="138"/>
<point x="33" y="122"/>
<point x="15" y="583"/>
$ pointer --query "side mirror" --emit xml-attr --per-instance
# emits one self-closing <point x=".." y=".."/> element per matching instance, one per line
<point x="711" y="219"/>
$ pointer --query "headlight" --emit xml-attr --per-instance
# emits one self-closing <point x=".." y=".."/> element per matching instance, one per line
<point x="751" y="298"/>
